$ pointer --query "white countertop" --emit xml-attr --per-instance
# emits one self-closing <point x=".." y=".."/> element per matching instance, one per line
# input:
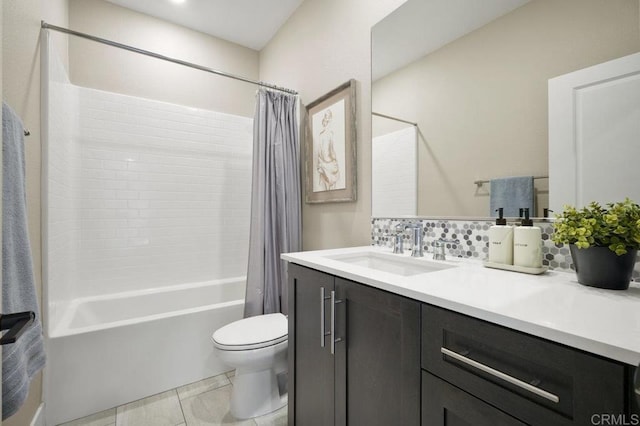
<point x="553" y="306"/>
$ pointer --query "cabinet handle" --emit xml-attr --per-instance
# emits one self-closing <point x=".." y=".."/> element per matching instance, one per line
<point x="334" y="302"/>
<point x="499" y="374"/>
<point x="323" y="333"/>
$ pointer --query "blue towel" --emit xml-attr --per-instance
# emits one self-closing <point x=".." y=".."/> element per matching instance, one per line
<point x="511" y="193"/>
<point x="23" y="359"/>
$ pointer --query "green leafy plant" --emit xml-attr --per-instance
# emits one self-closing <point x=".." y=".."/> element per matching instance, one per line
<point x="617" y="226"/>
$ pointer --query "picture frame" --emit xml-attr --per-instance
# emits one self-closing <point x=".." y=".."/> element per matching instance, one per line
<point x="330" y="147"/>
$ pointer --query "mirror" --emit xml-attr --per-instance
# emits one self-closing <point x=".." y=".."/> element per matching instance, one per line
<point x="474" y="78"/>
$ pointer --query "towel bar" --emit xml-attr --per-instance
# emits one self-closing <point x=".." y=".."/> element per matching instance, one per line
<point x="17" y="324"/>
<point x="480" y="182"/>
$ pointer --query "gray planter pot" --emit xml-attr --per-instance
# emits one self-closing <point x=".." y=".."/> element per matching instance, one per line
<point x="602" y="268"/>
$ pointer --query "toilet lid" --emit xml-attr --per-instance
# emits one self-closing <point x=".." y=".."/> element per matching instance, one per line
<point x="252" y="333"/>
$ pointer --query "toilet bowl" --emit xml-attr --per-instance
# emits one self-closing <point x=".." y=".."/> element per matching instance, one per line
<point x="257" y="348"/>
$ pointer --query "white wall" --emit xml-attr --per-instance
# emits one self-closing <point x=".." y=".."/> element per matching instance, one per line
<point x="322" y="45"/>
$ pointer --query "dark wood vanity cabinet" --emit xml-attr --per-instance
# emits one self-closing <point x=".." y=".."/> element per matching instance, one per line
<point x="311" y="367"/>
<point x="373" y="375"/>
<point x="519" y="377"/>
<point x="397" y="361"/>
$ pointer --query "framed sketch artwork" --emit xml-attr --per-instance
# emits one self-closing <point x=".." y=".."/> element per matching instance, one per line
<point x="330" y="150"/>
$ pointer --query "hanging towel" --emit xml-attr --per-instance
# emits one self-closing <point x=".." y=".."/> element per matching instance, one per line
<point x="23" y="359"/>
<point x="511" y="193"/>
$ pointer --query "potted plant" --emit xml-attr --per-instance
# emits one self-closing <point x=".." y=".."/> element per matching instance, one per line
<point x="604" y="242"/>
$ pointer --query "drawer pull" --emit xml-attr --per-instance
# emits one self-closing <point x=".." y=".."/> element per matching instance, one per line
<point x="499" y="374"/>
<point x="323" y="333"/>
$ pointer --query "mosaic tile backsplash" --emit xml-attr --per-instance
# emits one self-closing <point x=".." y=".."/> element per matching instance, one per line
<point x="471" y="239"/>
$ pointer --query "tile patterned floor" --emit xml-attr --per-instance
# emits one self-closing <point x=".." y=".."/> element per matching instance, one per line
<point x="202" y="403"/>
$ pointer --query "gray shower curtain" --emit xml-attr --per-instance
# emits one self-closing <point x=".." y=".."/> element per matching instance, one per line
<point x="276" y="219"/>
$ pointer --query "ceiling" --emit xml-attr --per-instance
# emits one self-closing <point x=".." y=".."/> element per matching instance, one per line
<point x="415" y="29"/>
<point x="250" y="23"/>
<point x="419" y="27"/>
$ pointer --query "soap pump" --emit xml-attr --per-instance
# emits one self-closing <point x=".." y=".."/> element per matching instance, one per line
<point x="501" y="240"/>
<point x="527" y="244"/>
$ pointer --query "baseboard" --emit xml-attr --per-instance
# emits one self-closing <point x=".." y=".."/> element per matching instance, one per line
<point x="38" y="418"/>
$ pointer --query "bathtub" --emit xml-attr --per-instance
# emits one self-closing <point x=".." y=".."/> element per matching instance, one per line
<point x="109" y="350"/>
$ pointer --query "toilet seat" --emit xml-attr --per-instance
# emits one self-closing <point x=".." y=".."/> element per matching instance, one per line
<point x="252" y="333"/>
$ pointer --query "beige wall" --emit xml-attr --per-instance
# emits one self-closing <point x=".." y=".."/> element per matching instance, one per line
<point x="104" y="67"/>
<point x="1" y="26"/>
<point x="56" y="12"/>
<point x="481" y="102"/>
<point x="322" y="45"/>
<point x="21" y="89"/>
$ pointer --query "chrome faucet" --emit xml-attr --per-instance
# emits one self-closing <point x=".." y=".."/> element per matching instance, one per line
<point x="397" y="239"/>
<point x="439" y="246"/>
<point x="416" y="240"/>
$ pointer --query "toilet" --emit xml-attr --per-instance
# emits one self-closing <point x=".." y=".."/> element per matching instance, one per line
<point x="257" y="348"/>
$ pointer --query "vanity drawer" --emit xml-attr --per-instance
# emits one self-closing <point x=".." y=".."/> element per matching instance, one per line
<point x="532" y="379"/>
<point x="445" y="404"/>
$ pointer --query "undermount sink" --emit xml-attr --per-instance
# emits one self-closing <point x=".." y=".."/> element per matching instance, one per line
<point x="391" y="263"/>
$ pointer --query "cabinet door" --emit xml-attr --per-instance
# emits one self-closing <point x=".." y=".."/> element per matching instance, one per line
<point x="378" y="358"/>
<point x="444" y="404"/>
<point x="311" y="371"/>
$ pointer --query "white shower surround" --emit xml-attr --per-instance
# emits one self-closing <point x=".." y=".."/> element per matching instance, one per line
<point x="394" y="185"/>
<point x="162" y="195"/>
<point x="141" y="194"/>
<point x="143" y="202"/>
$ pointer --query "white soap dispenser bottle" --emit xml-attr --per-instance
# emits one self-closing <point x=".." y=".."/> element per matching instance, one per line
<point x="527" y="244"/>
<point x="501" y="241"/>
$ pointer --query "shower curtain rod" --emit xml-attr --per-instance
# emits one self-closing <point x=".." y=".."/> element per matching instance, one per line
<point x="47" y="26"/>
<point x="394" y="118"/>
